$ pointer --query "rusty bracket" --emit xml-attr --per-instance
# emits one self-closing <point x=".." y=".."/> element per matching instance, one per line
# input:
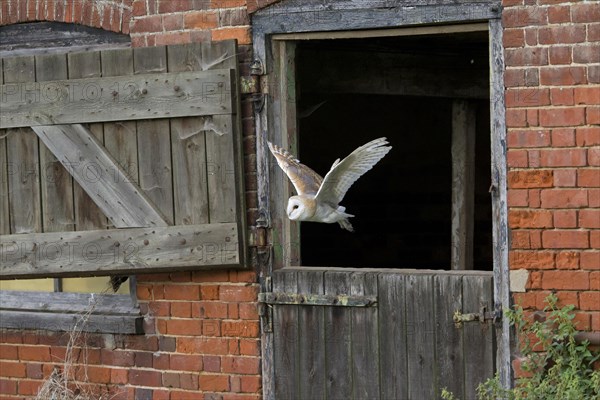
<point x="483" y="316"/>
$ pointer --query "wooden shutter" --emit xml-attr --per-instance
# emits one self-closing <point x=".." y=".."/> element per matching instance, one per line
<point x="121" y="161"/>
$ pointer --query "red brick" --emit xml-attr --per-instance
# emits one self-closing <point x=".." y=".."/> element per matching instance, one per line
<point x="250" y="384"/>
<point x="594" y="157"/>
<point x="594" y="280"/>
<point x="562" y="34"/>
<point x="241" y="365"/>
<point x="517" y="158"/>
<point x="567" y="280"/>
<point x="243" y="276"/>
<point x="139" y="8"/>
<point x="567" y="260"/>
<point x="8" y="352"/>
<point x="525" y="300"/>
<point x="98" y="374"/>
<point x="204" y="345"/>
<point x="34" y="353"/>
<point x="159" y="308"/>
<point x="248" y="311"/>
<point x="586" y="54"/>
<point x="8" y="387"/>
<point x="240" y="328"/>
<point x="211" y="363"/>
<point x="593" y="32"/>
<point x="520" y="239"/>
<point x="562" y="97"/>
<point x="587" y="136"/>
<point x="560" y="55"/>
<point x="530" y="179"/>
<point x="587" y="95"/>
<point x="589" y="301"/>
<point x="238" y="293"/>
<point x="34" y="371"/>
<point x="527" y="97"/>
<point x="530" y="219"/>
<point x="514" y="77"/>
<point x="565" y="219"/>
<point x="28" y="387"/>
<point x="242" y="34"/>
<point x="528" y="138"/>
<point x="173" y="22"/>
<point x="565" y="177"/>
<point x="160" y="361"/>
<point x="181" y="309"/>
<point x="560" y="76"/>
<point x="517" y="198"/>
<point x="249" y="347"/>
<point x="13" y="369"/>
<point x="520" y="17"/>
<point x="526" y="56"/>
<point x="563" y="137"/>
<point x="585" y="12"/>
<point x="145" y="378"/>
<point x="209" y="292"/>
<point x="170" y="380"/>
<point x="516" y="118"/>
<point x="188" y="381"/>
<point x="209" y="309"/>
<point x="211" y="327"/>
<point x="182" y="292"/>
<point x="233" y="311"/>
<point x="531" y="260"/>
<point x="590" y="259"/>
<point x="595" y="321"/>
<point x="592" y="115"/>
<point x="175" y="6"/>
<point x="589" y="218"/>
<point x="558" y="14"/>
<point x="210" y="276"/>
<point x="513" y="38"/>
<point x="582" y="321"/>
<point x="534" y="198"/>
<point x="565" y="239"/>
<point x="200" y="20"/>
<point x="595" y="239"/>
<point x="535" y="280"/>
<point x="232" y="3"/>
<point x="214" y="383"/>
<point x="563" y="158"/>
<point x="184" y="327"/>
<point x="186" y="362"/>
<point x="172" y="38"/>
<point x="533" y="117"/>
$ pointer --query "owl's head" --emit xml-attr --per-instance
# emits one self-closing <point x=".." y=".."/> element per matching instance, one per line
<point x="300" y="208"/>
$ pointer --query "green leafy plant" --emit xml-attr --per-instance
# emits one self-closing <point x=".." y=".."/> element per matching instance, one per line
<point x="556" y="365"/>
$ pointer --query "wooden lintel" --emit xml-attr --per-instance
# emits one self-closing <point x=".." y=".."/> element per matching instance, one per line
<point x="105" y="252"/>
<point x="118" y="98"/>
<point x="103" y="179"/>
<point x="299" y="299"/>
<point x="463" y="184"/>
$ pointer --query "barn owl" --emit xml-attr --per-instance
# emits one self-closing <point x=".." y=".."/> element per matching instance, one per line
<point x="318" y="198"/>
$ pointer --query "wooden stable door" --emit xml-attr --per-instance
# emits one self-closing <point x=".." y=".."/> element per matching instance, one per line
<point x="379" y="334"/>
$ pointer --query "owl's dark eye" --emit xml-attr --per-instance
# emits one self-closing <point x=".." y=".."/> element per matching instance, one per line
<point x="295" y="207"/>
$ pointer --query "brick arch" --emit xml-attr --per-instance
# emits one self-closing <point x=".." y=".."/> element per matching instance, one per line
<point x="110" y="15"/>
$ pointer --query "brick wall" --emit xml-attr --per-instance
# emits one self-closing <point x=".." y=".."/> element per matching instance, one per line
<point x="202" y="328"/>
<point x="553" y="118"/>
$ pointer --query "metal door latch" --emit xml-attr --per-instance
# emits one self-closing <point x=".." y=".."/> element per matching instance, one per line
<point x="459" y="318"/>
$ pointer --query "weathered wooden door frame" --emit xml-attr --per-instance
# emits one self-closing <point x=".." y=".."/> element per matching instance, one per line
<point x="334" y="19"/>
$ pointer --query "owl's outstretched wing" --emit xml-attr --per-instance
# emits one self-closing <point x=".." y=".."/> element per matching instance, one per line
<point x="304" y="179"/>
<point x="344" y="173"/>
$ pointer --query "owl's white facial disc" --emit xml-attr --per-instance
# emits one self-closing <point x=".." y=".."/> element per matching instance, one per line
<point x="295" y="208"/>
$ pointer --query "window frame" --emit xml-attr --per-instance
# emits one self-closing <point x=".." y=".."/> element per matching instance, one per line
<point x="274" y="122"/>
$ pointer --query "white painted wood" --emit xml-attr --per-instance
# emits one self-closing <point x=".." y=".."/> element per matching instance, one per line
<point x="121" y="251"/>
<point x="132" y="97"/>
<point x="100" y="176"/>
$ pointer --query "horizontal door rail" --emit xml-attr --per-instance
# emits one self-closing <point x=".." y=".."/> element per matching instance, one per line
<point x="307" y="299"/>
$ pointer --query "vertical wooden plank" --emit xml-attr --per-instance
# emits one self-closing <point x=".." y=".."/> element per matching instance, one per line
<point x="220" y="137"/>
<point x="502" y="296"/>
<point x="56" y="182"/>
<point x="448" y="338"/>
<point x="364" y="339"/>
<point x="337" y="339"/>
<point x="154" y="141"/>
<point x="311" y="338"/>
<point x="286" y="330"/>
<point x="188" y="148"/>
<point x="4" y="217"/>
<point x="23" y="155"/>
<point x="463" y="183"/>
<point x="393" y="336"/>
<point x="87" y="214"/>
<point x="479" y="339"/>
<point x="420" y="336"/>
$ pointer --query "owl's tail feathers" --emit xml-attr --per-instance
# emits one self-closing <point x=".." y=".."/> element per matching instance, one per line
<point x="345" y="224"/>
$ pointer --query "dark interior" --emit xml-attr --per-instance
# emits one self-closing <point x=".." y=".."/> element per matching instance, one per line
<point x="402" y="206"/>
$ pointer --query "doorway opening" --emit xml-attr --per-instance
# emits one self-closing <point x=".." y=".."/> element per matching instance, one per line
<point x="351" y="91"/>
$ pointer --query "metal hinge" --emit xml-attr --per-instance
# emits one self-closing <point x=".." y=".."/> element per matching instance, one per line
<point x="256" y="84"/>
<point x="259" y="237"/>
<point x="483" y="316"/>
